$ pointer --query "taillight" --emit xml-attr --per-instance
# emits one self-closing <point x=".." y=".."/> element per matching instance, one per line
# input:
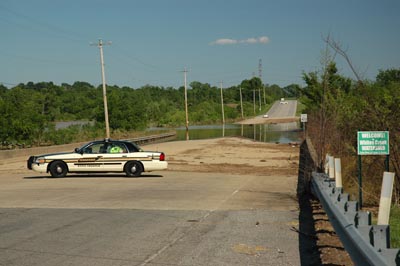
<point x="162" y="157"/>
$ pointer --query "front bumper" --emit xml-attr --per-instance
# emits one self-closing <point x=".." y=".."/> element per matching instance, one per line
<point x="32" y="165"/>
<point x="30" y="162"/>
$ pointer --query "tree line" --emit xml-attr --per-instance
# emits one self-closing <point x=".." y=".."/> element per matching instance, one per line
<point x="29" y="111"/>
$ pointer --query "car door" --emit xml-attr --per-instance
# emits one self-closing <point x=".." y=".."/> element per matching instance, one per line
<point x="90" y="158"/>
<point x="115" y="157"/>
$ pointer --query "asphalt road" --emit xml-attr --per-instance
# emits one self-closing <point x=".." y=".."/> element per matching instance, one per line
<point x="278" y="113"/>
<point x="165" y="218"/>
<point x="279" y="110"/>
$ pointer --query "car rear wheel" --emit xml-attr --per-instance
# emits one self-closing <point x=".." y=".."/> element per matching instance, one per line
<point x="58" y="169"/>
<point x="133" y="168"/>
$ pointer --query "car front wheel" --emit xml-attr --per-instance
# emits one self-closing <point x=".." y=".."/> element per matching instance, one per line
<point x="58" y="169"/>
<point x="133" y="168"/>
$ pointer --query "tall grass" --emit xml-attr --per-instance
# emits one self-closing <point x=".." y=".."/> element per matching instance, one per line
<point x="395" y="227"/>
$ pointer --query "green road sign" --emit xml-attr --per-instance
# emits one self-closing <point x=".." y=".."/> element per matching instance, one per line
<point x="373" y="142"/>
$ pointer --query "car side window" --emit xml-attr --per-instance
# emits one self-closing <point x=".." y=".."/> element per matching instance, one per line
<point x="103" y="148"/>
<point x="133" y="147"/>
<point x="94" y="148"/>
<point x="116" y="148"/>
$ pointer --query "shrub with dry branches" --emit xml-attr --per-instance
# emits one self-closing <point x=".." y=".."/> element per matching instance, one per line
<point x="339" y="107"/>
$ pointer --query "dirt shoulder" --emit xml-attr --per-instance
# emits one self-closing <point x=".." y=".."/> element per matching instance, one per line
<point x="231" y="155"/>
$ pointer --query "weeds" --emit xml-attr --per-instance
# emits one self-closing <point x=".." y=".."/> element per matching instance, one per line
<point x="395" y="227"/>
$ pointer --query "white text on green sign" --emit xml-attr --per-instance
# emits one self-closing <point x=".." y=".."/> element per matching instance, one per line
<point x="373" y="142"/>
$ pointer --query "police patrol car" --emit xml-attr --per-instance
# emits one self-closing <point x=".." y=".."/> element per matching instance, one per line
<point x="100" y="157"/>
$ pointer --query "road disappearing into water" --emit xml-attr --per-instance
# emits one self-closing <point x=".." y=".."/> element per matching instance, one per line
<point x="280" y="112"/>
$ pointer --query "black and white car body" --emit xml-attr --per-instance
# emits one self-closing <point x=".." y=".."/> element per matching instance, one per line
<point x="101" y="156"/>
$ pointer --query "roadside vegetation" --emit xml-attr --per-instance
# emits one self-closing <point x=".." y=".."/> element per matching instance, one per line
<point x="337" y="108"/>
<point x="395" y="226"/>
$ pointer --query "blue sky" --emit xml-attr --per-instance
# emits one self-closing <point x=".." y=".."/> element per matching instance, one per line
<point x="219" y="40"/>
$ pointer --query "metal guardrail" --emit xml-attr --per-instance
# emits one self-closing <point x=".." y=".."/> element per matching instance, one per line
<point x="153" y="138"/>
<point x="6" y="154"/>
<point x="366" y="244"/>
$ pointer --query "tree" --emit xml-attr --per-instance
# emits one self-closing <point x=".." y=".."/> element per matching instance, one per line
<point x="274" y="91"/>
<point x="3" y="89"/>
<point x="249" y="86"/>
<point x="386" y="77"/>
<point x="23" y="119"/>
<point x="292" y="90"/>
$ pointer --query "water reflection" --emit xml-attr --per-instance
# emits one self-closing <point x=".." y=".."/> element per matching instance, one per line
<point x="275" y="133"/>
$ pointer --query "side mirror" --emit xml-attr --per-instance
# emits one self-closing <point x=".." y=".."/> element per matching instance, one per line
<point x="78" y="151"/>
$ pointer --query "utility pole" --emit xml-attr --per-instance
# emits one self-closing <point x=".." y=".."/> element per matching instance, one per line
<point x="259" y="89"/>
<point x="223" y="113"/>
<point x="241" y="101"/>
<point x="254" y="101"/>
<point x="260" y="76"/>
<point x="103" y="78"/>
<point x="186" y="105"/>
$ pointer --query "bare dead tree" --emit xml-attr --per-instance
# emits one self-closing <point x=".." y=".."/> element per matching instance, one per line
<point x="322" y="138"/>
<point x="337" y="47"/>
<point x="324" y="122"/>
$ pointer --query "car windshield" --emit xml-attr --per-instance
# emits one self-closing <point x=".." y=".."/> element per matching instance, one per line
<point x="91" y="147"/>
<point x="78" y="150"/>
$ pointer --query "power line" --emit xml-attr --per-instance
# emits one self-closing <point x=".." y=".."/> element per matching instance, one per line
<point x="41" y="26"/>
<point x="134" y="58"/>
<point x="39" y="59"/>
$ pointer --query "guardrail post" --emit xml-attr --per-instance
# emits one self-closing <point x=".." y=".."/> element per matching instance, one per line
<point x="338" y="173"/>
<point x="342" y="201"/>
<point x="366" y="233"/>
<point x="351" y="209"/>
<point x="352" y="206"/>
<point x="380" y="237"/>
<point x="363" y="218"/>
<point x="326" y="164"/>
<point x="386" y="198"/>
<point x="331" y="167"/>
<point x="333" y="192"/>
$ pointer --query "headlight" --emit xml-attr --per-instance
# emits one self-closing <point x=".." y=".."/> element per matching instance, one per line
<point x="39" y="160"/>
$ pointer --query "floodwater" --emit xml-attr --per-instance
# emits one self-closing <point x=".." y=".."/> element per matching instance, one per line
<point x="272" y="133"/>
<point x="65" y="124"/>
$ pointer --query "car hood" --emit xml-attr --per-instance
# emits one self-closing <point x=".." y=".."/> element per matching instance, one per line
<point x="54" y="154"/>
